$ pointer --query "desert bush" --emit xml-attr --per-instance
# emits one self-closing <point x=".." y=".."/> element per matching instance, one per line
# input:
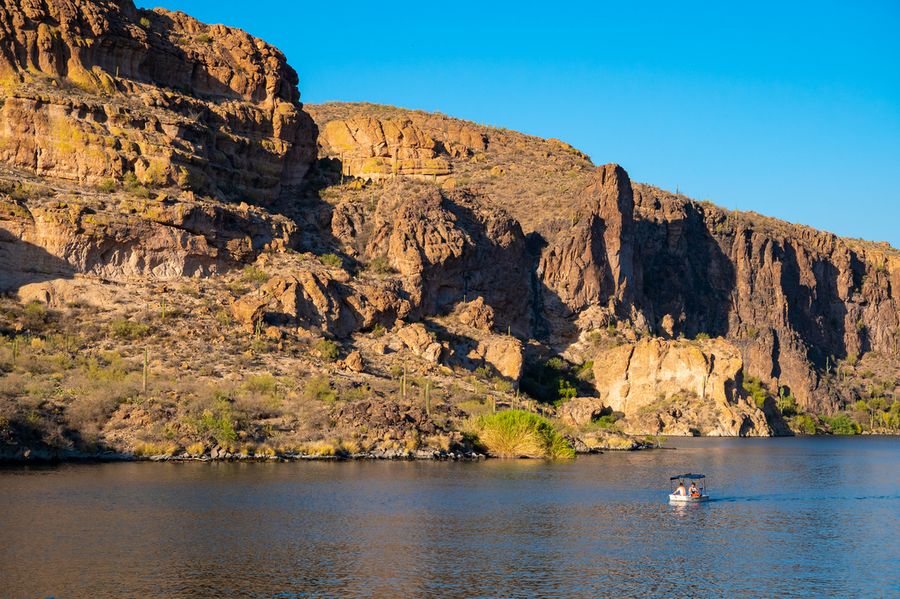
<point x="91" y="408"/>
<point x="803" y="424"/>
<point x="517" y="433"/>
<point x="35" y="316"/>
<point x="196" y="449"/>
<point x="501" y="384"/>
<point x="259" y="397"/>
<point x="842" y="424"/>
<point x="787" y="404"/>
<point x="331" y="260"/>
<point x="107" y="186"/>
<point x="551" y="382"/>
<point x="607" y="421"/>
<point x="128" y="329"/>
<point x="318" y="388"/>
<point x="254" y="276"/>
<point x="327" y="349"/>
<point x="263" y="384"/>
<point x="212" y="416"/>
<point x="380" y="266"/>
<point x="754" y="388"/>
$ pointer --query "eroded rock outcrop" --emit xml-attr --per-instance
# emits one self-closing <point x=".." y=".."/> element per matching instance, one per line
<point x="795" y="300"/>
<point x="415" y="145"/>
<point x="373" y="149"/>
<point x="592" y="263"/>
<point x="449" y="247"/>
<point x="96" y="90"/>
<point x="125" y="238"/>
<point x="314" y="298"/>
<point x="678" y="388"/>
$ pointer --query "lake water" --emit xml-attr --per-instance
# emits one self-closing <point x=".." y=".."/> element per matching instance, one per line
<point x="799" y="517"/>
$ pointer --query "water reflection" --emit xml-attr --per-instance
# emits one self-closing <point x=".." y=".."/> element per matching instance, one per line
<point x="798" y="517"/>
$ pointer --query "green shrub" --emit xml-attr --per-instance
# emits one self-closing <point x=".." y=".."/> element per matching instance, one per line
<point x="318" y="388"/>
<point x="145" y="22"/>
<point x="585" y="372"/>
<point x="107" y="186"/>
<point x="252" y="275"/>
<point x="607" y="421"/>
<point x="128" y="329"/>
<point x="804" y="424"/>
<point x="380" y="266"/>
<point x="216" y="421"/>
<point x="756" y="391"/>
<point x="35" y="315"/>
<point x="327" y="349"/>
<point x="501" y="384"/>
<point x="204" y="38"/>
<point x="787" y="404"/>
<point x="483" y="372"/>
<point x="551" y="382"/>
<point x="264" y="384"/>
<point x="331" y="260"/>
<point x="517" y="433"/>
<point x="842" y="424"/>
<point x="565" y="392"/>
<point x="702" y="337"/>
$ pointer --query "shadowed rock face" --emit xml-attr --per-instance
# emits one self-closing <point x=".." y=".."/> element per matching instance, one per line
<point x="94" y="90"/>
<point x="794" y="299"/>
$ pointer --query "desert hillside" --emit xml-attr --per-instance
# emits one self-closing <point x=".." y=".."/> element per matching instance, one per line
<point x="195" y="264"/>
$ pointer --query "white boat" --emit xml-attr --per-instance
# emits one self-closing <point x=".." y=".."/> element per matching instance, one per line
<point x="687" y="498"/>
<point x="699" y="496"/>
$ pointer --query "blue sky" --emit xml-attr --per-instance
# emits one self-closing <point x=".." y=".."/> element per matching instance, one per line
<point x="791" y="109"/>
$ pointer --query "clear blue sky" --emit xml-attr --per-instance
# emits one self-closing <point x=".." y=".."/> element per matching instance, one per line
<point x="790" y="109"/>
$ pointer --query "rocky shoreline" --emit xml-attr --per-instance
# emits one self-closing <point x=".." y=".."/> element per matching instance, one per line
<point x="44" y="456"/>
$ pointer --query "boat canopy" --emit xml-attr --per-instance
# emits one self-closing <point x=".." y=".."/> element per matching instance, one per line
<point x="689" y="476"/>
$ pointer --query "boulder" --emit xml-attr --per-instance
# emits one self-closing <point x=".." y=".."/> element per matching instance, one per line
<point x="476" y="314"/>
<point x="418" y="340"/>
<point x="354" y="362"/>
<point x="580" y="411"/>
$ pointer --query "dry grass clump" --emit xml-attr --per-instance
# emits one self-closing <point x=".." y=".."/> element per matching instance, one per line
<point x="521" y="434"/>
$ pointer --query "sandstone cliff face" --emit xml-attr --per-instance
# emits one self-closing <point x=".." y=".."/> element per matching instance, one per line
<point x="122" y="238"/>
<point x="380" y="147"/>
<point x="447" y="248"/>
<point x="95" y="90"/>
<point x="373" y="149"/>
<point x="679" y="388"/>
<point x="796" y="300"/>
<point x="592" y="262"/>
<point x="322" y="300"/>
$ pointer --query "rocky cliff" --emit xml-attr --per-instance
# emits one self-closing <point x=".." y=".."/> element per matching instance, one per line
<point x="194" y="260"/>
<point x="95" y="90"/>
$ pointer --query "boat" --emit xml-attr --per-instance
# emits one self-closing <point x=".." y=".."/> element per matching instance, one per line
<point x="687" y="498"/>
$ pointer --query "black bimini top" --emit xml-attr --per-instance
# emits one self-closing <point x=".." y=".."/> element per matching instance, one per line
<point x="690" y="476"/>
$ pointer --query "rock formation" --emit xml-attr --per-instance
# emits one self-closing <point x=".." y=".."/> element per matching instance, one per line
<point x="97" y="90"/>
<point x="680" y="388"/>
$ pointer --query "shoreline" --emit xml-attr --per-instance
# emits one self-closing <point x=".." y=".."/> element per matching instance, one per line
<point x="25" y="457"/>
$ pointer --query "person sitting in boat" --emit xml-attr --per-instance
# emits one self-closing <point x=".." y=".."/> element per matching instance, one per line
<point x="695" y="492"/>
<point x="680" y="490"/>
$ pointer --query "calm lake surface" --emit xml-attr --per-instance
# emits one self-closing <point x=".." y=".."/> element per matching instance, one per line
<point x="803" y="517"/>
